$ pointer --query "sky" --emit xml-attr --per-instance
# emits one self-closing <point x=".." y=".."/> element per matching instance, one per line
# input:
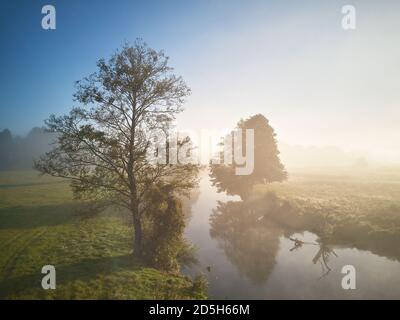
<point x="318" y="84"/>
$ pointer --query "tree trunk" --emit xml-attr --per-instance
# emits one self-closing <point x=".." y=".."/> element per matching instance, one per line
<point x="137" y="244"/>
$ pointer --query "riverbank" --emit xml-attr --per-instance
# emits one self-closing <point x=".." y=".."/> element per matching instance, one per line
<point x="40" y="224"/>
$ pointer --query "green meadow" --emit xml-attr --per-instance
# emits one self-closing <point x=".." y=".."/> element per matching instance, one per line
<point x="41" y="224"/>
<point x="352" y="207"/>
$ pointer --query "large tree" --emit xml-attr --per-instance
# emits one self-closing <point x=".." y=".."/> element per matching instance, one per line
<point x="267" y="165"/>
<point x="106" y="145"/>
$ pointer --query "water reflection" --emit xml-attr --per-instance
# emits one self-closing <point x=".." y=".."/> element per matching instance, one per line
<point x="261" y="248"/>
<point x="250" y="245"/>
<point x="322" y="256"/>
<point x="250" y="236"/>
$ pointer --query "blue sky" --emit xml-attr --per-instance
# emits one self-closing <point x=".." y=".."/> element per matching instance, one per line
<point x="290" y="60"/>
<point x="39" y="67"/>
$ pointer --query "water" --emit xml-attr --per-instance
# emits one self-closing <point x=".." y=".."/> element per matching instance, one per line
<point x="256" y="262"/>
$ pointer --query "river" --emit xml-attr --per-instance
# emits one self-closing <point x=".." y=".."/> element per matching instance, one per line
<point x="262" y="263"/>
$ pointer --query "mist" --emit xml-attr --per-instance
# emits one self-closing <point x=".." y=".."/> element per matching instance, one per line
<point x="19" y="152"/>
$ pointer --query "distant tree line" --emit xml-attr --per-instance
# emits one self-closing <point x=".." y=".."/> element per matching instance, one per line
<point x="18" y="152"/>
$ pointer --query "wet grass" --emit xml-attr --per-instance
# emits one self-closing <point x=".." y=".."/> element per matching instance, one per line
<point x="360" y="208"/>
<point x="40" y="224"/>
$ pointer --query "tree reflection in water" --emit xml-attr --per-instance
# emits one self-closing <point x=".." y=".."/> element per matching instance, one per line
<point x="250" y="245"/>
<point x="249" y="232"/>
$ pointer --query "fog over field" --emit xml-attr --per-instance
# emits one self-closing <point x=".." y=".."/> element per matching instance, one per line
<point x="200" y="150"/>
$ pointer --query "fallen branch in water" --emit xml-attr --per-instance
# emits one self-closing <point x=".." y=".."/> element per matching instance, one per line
<point x="298" y="242"/>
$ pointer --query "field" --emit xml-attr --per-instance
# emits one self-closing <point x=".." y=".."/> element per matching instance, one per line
<point x="350" y="207"/>
<point x="40" y="224"/>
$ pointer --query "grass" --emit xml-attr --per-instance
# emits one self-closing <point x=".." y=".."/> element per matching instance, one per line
<point x="365" y="196"/>
<point x="40" y="224"/>
<point x="360" y="208"/>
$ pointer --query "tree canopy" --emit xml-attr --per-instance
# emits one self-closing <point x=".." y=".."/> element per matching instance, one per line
<point x="107" y="145"/>
<point x="267" y="165"/>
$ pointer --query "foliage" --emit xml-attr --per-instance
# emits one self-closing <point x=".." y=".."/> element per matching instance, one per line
<point x="39" y="225"/>
<point x="267" y="165"/>
<point x="361" y="212"/>
<point x="200" y="284"/>
<point x="107" y="146"/>
<point x="164" y="244"/>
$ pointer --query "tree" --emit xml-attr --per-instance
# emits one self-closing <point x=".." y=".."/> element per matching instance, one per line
<point x="106" y="146"/>
<point x="165" y="245"/>
<point x="6" y="144"/>
<point x="267" y="165"/>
